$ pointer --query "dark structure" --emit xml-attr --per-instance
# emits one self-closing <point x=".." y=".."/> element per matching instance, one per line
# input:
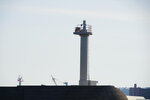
<point x="61" y="93"/>
<point x="137" y="91"/>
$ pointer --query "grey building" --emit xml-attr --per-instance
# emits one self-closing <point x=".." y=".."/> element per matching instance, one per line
<point x="137" y="91"/>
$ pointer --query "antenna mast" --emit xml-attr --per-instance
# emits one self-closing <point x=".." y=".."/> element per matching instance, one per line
<point x="20" y="80"/>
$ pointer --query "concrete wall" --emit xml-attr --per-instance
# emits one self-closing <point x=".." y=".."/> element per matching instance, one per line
<point x="61" y="93"/>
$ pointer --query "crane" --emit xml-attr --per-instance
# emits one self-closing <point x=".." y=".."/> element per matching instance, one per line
<point x="54" y="80"/>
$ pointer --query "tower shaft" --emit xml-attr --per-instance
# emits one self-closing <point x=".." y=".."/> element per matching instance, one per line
<point x="84" y="60"/>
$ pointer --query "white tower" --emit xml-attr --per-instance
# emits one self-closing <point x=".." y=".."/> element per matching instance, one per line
<point x="84" y="31"/>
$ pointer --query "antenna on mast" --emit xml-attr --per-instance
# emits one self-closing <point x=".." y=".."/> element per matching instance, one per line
<point x="20" y="80"/>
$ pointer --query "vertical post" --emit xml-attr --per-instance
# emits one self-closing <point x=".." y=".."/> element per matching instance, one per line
<point x="20" y="80"/>
<point x="84" y="60"/>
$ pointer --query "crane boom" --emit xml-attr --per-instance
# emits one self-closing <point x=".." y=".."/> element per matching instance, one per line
<point x="54" y="80"/>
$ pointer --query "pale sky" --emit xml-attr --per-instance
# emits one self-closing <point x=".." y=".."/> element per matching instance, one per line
<point x="37" y="41"/>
